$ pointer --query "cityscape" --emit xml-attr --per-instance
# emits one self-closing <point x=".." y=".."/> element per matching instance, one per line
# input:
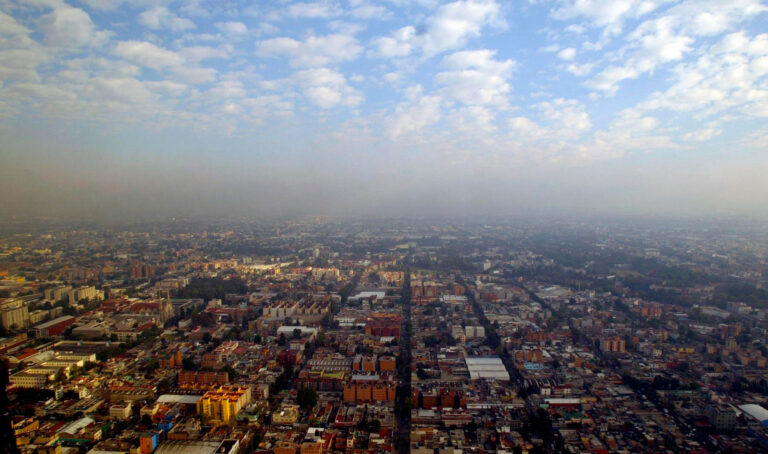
<point x="383" y="226"/>
<point x="323" y="335"/>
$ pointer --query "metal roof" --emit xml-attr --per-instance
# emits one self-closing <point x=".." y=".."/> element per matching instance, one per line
<point x="178" y="398"/>
<point x="489" y="367"/>
<point x="755" y="411"/>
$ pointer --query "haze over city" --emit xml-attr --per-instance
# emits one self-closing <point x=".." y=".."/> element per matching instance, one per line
<point x="139" y="109"/>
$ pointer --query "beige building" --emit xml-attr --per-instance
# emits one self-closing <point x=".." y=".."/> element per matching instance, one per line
<point x="55" y="294"/>
<point x="29" y="380"/>
<point x="121" y="411"/>
<point x="85" y="293"/>
<point x="14" y="314"/>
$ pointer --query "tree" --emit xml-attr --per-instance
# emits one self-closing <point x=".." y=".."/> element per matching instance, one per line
<point x="307" y="398"/>
<point x="372" y="426"/>
<point x="163" y="385"/>
<point x="231" y="372"/>
<point x="206" y="337"/>
<point x="188" y="364"/>
<point x="152" y="365"/>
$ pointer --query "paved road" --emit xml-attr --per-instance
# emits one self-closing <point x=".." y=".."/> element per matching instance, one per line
<point x="403" y="414"/>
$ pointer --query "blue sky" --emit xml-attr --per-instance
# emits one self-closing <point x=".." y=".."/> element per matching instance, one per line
<point x="467" y="92"/>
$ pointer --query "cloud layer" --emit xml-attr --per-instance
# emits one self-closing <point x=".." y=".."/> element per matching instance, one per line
<point x="463" y="91"/>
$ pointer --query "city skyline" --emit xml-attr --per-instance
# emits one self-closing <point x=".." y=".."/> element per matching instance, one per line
<point x="112" y="109"/>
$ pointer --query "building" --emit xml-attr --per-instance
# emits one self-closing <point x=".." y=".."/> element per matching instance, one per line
<point x="202" y="378"/>
<point x="53" y="327"/>
<point x="369" y="388"/>
<point x="86" y="292"/>
<point x="56" y="294"/>
<point x="489" y="368"/>
<point x="148" y="442"/>
<point x="613" y="344"/>
<point x="198" y="447"/>
<point x="14" y="314"/>
<point x="91" y="330"/>
<point x="472" y="332"/>
<point x="121" y="411"/>
<point x="286" y="414"/>
<point x="288" y="330"/>
<point x="756" y="413"/>
<point x="29" y="380"/>
<point x="387" y="363"/>
<point x="723" y="417"/>
<point x="222" y="403"/>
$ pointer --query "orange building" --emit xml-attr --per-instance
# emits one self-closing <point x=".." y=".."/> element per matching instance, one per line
<point x="222" y="403"/>
<point x="369" y="388"/>
<point x="387" y="363"/>
<point x="192" y="379"/>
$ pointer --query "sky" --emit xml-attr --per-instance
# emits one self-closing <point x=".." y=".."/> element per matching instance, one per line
<point x="118" y="109"/>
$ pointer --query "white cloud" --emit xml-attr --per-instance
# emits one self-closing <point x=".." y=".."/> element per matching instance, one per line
<point x="567" y="116"/>
<point x="473" y="122"/>
<point x="232" y="28"/>
<point x="313" y="51"/>
<point x="448" y="28"/>
<point x="605" y="13"/>
<point x="392" y="77"/>
<point x="126" y="89"/>
<point x="110" y="5"/>
<point x="266" y="106"/>
<point x="526" y="128"/>
<point x="729" y="76"/>
<point x="20" y="64"/>
<point x="161" y="17"/>
<point x="68" y="27"/>
<point x="630" y="131"/>
<point x="455" y="22"/>
<point x="400" y="44"/>
<point x="177" y="66"/>
<point x="317" y="10"/>
<point x="9" y="26"/>
<point x="147" y="54"/>
<point x="168" y="87"/>
<point x="414" y="115"/>
<point x="326" y="88"/>
<point x="193" y="75"/>
<point x="226" y="89"/>
<point x="550" y="48"/>
<point x="475" y="78"/>
<point x="567" y="54"/>
<point x="654" y="43"/>
<point x="199" y="53"/>
<point x="20" y="56"/>
<point x="670" y="36"/>
<point x="702" y="135"/>
<point x="367" y="11"/>
<point x="711" y="17"/>
<point x="580" y="69"/>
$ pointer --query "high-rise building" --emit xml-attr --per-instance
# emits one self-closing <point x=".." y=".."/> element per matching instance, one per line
<point x="14" y="314"/>
<point x="222" y="403"/>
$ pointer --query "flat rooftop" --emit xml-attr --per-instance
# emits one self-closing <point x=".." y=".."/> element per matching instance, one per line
<point x="486" y="367"/>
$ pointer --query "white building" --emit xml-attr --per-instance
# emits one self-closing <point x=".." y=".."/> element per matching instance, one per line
<point x="120" y="411"/>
